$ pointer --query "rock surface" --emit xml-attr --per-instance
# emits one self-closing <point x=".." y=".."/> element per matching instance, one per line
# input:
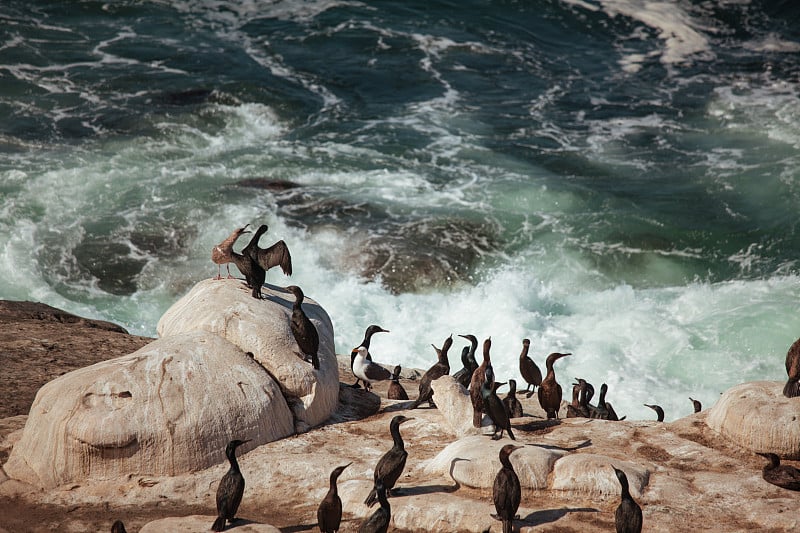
<point x="202" y="524"/>
<point x="166" y="409"/>
<point x="696" y="478"/>
<point x="758" y="417"/>
<point x="226" y="308"/>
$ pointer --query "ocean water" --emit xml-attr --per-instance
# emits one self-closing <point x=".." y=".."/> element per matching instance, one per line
<point x="618" y="179"/>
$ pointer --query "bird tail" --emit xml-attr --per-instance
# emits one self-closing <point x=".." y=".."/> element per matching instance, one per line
<point x="792" y="389"/>
<point x="372" y="498"/>
<point x="477" y="416"/>
<point x="219" y="524"/>
<point x="508" y="526"/>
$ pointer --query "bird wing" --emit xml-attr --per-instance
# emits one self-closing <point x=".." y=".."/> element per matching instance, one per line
<point x="276" y="255"/>
<point x="376" y="372"/>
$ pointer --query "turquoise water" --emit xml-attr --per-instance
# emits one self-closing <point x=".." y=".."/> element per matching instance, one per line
<point x="618" y="179"/>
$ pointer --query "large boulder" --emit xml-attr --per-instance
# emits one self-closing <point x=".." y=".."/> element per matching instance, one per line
<point x="166" y="409"/>
<point x="262" y="327"/>
<point x="757" y="416"/>
<point x="454" y="403"/>
<point x="591" y="473"/>
<point x="474" y="462"/>
<point x="202" y="524"/>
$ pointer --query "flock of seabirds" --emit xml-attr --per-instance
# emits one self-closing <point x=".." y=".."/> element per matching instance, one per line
<point x="479" y="379"/>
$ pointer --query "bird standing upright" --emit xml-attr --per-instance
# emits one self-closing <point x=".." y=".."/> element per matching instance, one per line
<point x="628" y="516"/>
<point x="493" y="406"/>
<point x="391" y="465"/>
<point x="396" y="390"/>
<point x="222" y="254"/>
<point x="262" y="259"/>
<point x="371" y="330"/>
<point x="792" y="387"/>
<point x="368" y="371"/>
<point x="478" y="377"/>
<point x="304" y="331"/>
<point x="506" y="491"/>
<point x="379" y="521"/>
<point x="528" y="369"/>
<point x="511" y="402"/>
<point x="550" y="390"/>
<point x="439" y="369"/>
<point x="230" y="489"/>
<point x="329" y="513"/>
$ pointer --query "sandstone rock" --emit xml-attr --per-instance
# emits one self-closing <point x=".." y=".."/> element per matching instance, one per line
<point x="592" y="473"/>
<point x="474" y="462"/>
<point x="453" y="402"/>
<point x="202" y="524"/>
<point x="168" y="408"/>
<point x="262" y="327"/>
<point x="757" y="416"/>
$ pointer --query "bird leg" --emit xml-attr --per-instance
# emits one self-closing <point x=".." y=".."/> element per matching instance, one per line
<point x="219" y="272"/>
<point x="228" y="266"/>
<point x="356" y="385"/>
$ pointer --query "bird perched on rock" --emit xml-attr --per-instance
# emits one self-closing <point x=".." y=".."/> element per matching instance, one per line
<point x="659" y="411"/>
<point x="396" y="390"/>
<point x="439" y="369"/>
<point x="792" y="388"/>
<point x="329" y="513"/>
<point x="550" y="390"/>
<point x="368" y="371"/>
<point x="506" y="491"/>
<point x="511" y="403"/>
<point x="118" y="527"/>
<point x="304" y="331"/>
<point x="371" y="330"/>
<point x="230" y="489"/>
<point x="696" y="405"/>
<point x="468" y="362"/>
<point x="391" y="465"/>
<point x="528" y="369"/>
<point x="628" y="516"/>
<point x="254" y="262"/>
<point x="379" y="521"/>
<point x="221" y="254"/>
<point x="784" y="476"/>
<point x="604" y="410"/>
<point x="478" y="377"/>
<point x="493" y="406"/>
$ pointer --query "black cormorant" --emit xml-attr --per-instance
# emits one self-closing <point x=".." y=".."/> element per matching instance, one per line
<point x="506" y="491"/>
<point x="659" y="411"/>
<point x="493" y="406"/>
<point x="329" y="513"/>
<point x="304" y="331"/>
<point x="379" y="521"/>
<point x="230" y="489"/>
<point x="511" y="403"/>
<point x="439" y="369"/>
<point x="529" y="371"/>
<point x="478" y="377"/>
<point x="628" y="517"/>
<point x="396" y="390"/>
<point x="696" y="405"/>
<point x="391" y="465"/>
<point x="550" y="391"/>
<point x="784" y="476"/>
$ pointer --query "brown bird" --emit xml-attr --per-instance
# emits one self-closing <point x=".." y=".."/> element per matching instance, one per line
<point x="784" y="476"/>
<point x="628" y="516"/>
<point x="493" y="406"/>
<point x="478" y="378"/>
<point x="439" y="369"/>
<point x="391" y="464"/>
<point x="550" y="390"/>
<point x="118" y="527"/>
<point x="575" y="409"/>
<point x="512" y="404"/>
<point x="792" y="388"/>
<point x="697" y="405"/>
<point x="379" y="521"/>
<point x="329" y="513"/>
<point x="396" y="390"/>
<point x="304" y="331"/>
<point x="528" y="369"/>
<point x="506" y="491"/>
<point x="659" y="411"/>
<point x="222" y="254"/>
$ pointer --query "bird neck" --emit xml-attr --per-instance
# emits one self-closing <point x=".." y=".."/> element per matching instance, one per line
<point x="505" y="460"/>
<point x="334" y="489"/>
<point x="232" y="459"/>
<point x="524" y="353"/>
<point x="626" y="492"/>
<point x="398" y="440"/>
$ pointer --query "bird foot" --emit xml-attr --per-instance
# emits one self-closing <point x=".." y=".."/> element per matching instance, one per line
<point x="495" y="437"/>
<point x="217" y="277"/>
<point x="356" y="386"/>
<point x="529" y="394"/>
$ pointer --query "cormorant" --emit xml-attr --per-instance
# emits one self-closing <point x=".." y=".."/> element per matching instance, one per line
<point x="371" y="330"/>
<point x="230" y="489"/>
<point x="604" y="410"/>
<point x="396" y="390"/>
<point x="574" y="409"/>
<point x="464" y="375"/>
<point x="470" y="364"/>
<point x="391" y="465"/>
<point x="792" y="388"/>
<point x="221" y="254"/>
<point x="528" y="369"/>
<point x="379" y="521"/>
<point x="659" y="411"/>
<point x="304" y="331"/>
<point x="478" y="377"/>
<point x="506" y="491"/>
<point x="439" y="369"/>
<point x="494" y="407"/>
<point x="550" y="390"/>
<point x="697" y="405"/>
<point x="628" y="517"/>
<point x="784" y="476"/>
<point x="118" y="527"/>
<point x="276" y="255"/>
<point x="329" y="513"/>
<point x="254" y="275"/>
<point x="511" y="403"/>
<point x="367" y="371"/>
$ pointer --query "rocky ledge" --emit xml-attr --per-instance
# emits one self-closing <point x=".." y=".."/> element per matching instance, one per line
<point x="697" y="473"/>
